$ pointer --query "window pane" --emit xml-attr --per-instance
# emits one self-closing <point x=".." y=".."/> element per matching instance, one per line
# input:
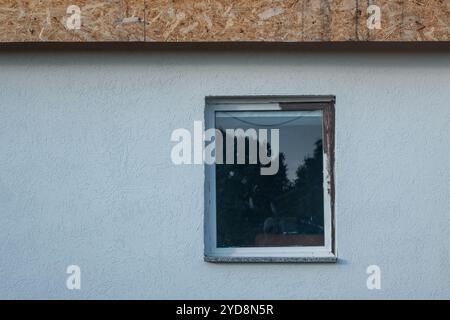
<point x="281" y="209"/>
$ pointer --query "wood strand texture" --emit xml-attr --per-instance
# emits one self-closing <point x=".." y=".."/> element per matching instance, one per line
<point x="223" y="20"/>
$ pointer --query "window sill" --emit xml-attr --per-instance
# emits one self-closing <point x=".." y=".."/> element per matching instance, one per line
<point x="318" y="259"/>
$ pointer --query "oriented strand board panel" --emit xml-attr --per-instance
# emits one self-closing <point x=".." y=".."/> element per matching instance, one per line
<point x="426" y="20"/>
<point x="295" y="20"/>
<point x="407" y="20"/>
<point x="46" y="20"/>
<point x="224" y="20"/>
<point x="343" y="23"/>
<point x="250" y="20"/>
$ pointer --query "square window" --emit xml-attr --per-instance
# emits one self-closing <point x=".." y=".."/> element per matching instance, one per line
<point x="270" y="179"/>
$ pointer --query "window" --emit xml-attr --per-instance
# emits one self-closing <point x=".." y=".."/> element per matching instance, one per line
<point x="270" y="179"/>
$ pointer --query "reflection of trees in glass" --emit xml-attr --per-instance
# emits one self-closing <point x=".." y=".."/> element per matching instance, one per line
<point x="249" y="203"/>
<point x="308" y="188"/>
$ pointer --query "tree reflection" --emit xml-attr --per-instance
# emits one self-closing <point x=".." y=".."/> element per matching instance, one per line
<point x="252" y="207"/>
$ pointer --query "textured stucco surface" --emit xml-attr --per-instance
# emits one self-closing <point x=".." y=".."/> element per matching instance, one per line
<point x="86" y="176"/>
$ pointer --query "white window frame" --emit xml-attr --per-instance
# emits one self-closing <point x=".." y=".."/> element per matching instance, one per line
<point x="326" y="253"/>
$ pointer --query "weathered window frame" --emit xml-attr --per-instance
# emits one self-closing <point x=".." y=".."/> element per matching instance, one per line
<point x="327" y="253"/>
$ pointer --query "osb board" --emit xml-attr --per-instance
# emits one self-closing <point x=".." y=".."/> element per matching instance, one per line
<point x="45" y="20"/>
<point x="426" y="20"/>
<point x="295" y="20"/>
<point x="343" y="20"/>
<point x="224" y="20"/>
<point x="413" y="20"/>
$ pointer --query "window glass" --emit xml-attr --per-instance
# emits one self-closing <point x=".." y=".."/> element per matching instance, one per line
<point x="285" y="207"/>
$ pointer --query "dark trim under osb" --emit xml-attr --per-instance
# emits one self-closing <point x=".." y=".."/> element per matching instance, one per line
<point x="347" y="46"/>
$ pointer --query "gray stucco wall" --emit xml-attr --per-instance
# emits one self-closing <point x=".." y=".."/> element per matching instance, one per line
<point x="86" y="176"/>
